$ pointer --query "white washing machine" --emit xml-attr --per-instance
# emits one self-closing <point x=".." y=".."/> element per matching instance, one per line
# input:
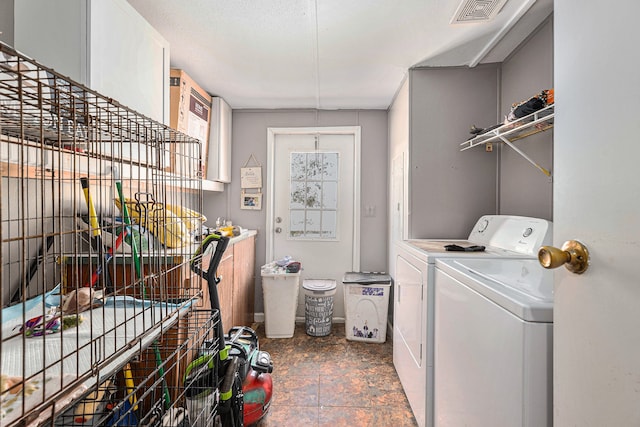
<point x="504" y="237"/>
<point x="493" y="343"/>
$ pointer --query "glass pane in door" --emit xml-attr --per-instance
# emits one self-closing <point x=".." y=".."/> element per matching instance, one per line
<point x="313" y="201"/>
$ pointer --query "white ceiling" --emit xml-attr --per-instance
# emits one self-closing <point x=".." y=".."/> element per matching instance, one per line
<point x="327" y="54"/>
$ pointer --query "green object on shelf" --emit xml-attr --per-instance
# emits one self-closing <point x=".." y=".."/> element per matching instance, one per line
<point x="140" y="239"/>
<point x="127" y="221"/>
<point x="136" y="260"/>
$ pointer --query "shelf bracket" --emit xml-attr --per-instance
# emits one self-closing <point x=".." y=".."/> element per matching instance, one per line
<point x="527" y="158"/>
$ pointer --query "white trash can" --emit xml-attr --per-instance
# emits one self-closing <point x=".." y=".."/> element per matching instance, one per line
<point x="366" y="302"/>
<point x="280" y="295"/>
<point x="318" y="306"/>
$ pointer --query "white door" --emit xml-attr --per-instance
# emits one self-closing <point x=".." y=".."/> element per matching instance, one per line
<point x="597" y="201"/>
<point x="313" y="203"/>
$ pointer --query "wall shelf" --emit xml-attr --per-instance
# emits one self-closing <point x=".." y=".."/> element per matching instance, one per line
<point x="524" y="127"/>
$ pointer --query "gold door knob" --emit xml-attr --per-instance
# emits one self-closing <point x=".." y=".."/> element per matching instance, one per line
<point x="573" y="255"/>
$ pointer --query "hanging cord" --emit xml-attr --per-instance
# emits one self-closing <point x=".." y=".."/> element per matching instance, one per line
<point x="255" y="161"/>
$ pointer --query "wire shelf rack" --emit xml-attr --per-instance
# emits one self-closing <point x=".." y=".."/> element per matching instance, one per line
<point x="100" y="217"/>
<point x="539" y="121"/>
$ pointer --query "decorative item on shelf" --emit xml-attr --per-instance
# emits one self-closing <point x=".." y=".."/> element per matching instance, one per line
<point x="251" y="179"/>
<point x="519" y="110"/>
<point x="531" y="105"/>
<point x="164" y="224"/>
<point x="525" y="119"/>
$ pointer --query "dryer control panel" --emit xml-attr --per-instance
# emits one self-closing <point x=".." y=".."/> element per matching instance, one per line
<point x="514" y="233"/>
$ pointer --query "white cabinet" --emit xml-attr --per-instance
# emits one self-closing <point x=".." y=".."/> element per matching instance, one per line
<point x="105" y="45"/>
<point x="219" y="160"/>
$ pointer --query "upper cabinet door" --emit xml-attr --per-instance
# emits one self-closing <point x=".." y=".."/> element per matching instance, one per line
<point x="129" y="59"/>
<point x="105" y="45"/>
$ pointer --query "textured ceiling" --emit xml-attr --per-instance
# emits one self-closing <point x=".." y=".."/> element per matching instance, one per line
<point x="327" y="54"/>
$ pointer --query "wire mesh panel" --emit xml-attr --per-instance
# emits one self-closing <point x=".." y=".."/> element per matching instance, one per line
<point x="179" y="389"/>
<point x="100" y="218"/>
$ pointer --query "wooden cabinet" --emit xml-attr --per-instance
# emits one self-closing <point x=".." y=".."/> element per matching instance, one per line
<point x="236" y="288"/>
<point x="244" y="281"/>
<point x="174" y="271"/>
<point x="225" y="288"/>
<point x="237" y="285"/>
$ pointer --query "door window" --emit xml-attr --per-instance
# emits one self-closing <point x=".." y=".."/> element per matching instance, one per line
<point x="313" y="202"/>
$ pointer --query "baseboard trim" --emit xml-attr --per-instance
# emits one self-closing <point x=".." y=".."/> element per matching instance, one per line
<point x="259" y="318"/>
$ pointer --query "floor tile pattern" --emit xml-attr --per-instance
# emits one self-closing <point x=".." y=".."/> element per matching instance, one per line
<point x="330" y="381"/>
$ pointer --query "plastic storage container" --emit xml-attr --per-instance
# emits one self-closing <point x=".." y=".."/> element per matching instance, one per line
<point x="366" y="302"/>
<point x="318" y="306"/>
<point x="280" y="294"/>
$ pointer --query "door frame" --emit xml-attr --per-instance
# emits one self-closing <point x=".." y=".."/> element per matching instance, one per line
<point x="270" y="204"/>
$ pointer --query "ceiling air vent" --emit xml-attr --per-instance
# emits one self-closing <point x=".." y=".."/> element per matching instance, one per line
<point x="477" y="11"/>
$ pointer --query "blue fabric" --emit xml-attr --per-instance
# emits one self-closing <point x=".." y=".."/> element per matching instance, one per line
<point x="51" y="298"/>
<point x="126" y="301"/>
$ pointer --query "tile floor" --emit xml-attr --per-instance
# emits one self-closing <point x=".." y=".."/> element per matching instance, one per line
<point x="329" y="381"/>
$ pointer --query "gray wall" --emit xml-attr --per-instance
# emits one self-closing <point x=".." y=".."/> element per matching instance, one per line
<point x="6" y="22"/>
<point x="250" y="137"/>
<point x="524" y="190"/>
<point x="449" y="189"/>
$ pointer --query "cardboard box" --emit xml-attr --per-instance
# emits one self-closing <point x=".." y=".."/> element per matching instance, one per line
<point x="190" y="108"/>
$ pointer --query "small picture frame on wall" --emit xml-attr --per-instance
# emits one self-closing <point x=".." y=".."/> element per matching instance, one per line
<point x="252" y="201"/>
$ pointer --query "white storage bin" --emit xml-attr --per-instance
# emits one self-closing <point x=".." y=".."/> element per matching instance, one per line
<point x="366" y="302"/>
<point x="280" y="294"/>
